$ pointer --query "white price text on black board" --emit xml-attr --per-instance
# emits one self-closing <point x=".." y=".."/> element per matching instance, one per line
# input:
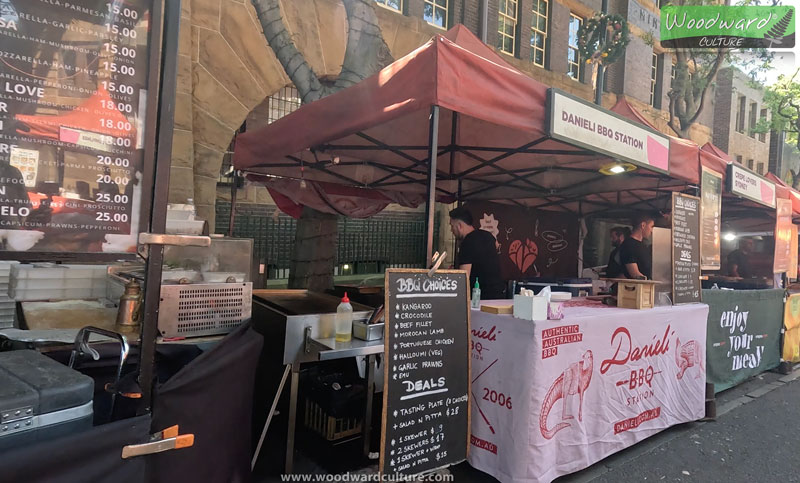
<point x="711" y="219"/>
<point x="73" y="95"/>
<point x="685" y="249"/>
<point x="426" y="416"/>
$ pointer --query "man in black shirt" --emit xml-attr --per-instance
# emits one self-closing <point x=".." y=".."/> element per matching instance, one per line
<point x="739" y="260"/>
<point x="614" y="267"/>
<point x="636" y="257"/>
<point x="477" y="254"/>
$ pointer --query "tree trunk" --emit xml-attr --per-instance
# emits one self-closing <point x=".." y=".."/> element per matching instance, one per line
<point x="314" y="251"/>
<point x="313" y="255"/>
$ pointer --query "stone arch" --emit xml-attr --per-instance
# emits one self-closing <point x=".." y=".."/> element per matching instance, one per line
<point x="226" y="69"/>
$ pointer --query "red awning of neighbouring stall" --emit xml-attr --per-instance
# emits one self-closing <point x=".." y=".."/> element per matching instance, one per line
<point x="493" y="140"/>
<point x="682" y="152"/>
<point x="94" y="115"/>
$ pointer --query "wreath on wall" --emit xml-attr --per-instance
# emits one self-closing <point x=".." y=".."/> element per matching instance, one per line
<point x="590" y="38"/>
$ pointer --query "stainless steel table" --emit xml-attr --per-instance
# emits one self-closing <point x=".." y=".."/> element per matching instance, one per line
<point x="323" y="350"/>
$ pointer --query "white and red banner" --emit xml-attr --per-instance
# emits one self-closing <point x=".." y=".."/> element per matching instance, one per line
<point x="553" y="397"/>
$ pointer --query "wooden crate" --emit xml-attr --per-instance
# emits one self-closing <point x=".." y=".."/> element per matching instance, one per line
<point x="636" y="294"/>
<point x="330" y="428"/>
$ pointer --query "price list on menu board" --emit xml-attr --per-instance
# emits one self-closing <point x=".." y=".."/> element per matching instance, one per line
<point x="427" y="370"/>
<point x="685" y="248"/>
<point x="73" y="95"/>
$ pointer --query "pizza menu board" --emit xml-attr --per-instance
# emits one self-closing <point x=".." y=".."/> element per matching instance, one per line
<point x="427" y="371"/>
<point x="73" y="91"/>
<point x="710" y="219"/>
<point x="685" y="249"/>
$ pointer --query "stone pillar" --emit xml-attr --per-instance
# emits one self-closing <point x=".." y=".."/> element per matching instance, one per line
<point x="182" y="167"/>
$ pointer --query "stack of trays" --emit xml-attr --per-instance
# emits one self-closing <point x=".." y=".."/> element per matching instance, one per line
<point x="57" y="282"/>
<point x="7" y="305"/>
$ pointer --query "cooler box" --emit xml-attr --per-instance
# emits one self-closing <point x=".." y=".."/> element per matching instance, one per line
<point x="41" y="399"/>
<point x="571" y="285"/>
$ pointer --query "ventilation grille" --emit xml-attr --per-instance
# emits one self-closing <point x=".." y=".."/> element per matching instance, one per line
<point x="204" y="309"/>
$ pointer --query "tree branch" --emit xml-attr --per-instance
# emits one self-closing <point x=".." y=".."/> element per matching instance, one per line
<point x="293" y="62"/>
<point x="711" y="74"/>
<point x="366" y="51"/>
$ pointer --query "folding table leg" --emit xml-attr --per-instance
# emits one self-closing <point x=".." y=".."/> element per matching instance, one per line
<point x="269" y="416"/>
<point x="292" y="417"/>
<point x="367" y="428"/>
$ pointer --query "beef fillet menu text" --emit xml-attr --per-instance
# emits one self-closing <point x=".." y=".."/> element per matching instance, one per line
<point x="426" y="385"/>
<point x="685" y="248"/>
<point x="73" y="91"/>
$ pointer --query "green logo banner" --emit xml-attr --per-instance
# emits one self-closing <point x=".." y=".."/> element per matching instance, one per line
<point x="720" y="26"/>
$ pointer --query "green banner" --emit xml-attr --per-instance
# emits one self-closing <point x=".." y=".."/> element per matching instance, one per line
<point x="744" y="334"/>
<point x="720" y="26"/>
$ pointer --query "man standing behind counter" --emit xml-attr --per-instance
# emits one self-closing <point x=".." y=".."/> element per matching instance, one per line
<point x="477" y="255"/>
<point x="636" y="257"/>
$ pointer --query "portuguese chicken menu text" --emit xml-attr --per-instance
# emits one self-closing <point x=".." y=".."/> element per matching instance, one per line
<point x="73" y="92"/>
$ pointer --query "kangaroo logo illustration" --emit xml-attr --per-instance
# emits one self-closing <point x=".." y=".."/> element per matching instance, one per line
<point x="573" y="381"/>
<point x="688" y="355"/>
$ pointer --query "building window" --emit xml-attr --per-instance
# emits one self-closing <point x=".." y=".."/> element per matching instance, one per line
<point x="760" y="168"/>
<point x="507" y="26"/>
<point x="739" y="158"/>
<point x="283" y="102"/>
<point x="753" y="119"/>
<point x="539" y="32"/>
<point x="750" y="164"/>
<point x="396" y="5"/>
<point x="762" y="136"/>
<point x="575" y="66"/>
<point x="653" y="79"/>
<point x="436" y="12"/>
<point x="740" y="114"/>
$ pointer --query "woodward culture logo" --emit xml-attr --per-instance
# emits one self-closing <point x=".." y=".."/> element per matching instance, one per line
<point x="720" y="26"/>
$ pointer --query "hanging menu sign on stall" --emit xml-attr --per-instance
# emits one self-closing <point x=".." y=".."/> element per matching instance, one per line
<point x="685" y="248"/>
<point x="73" y="95"/>
<point x="747" y="184"/>
<point x="427" y="371"/>
<point x="710" y="219"/>
<point x="783" y="236"/>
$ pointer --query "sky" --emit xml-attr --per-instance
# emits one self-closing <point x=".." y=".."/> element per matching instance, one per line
<point x="786" y="61"/>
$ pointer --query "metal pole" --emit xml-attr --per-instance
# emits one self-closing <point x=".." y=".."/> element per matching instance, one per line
<point x="160" y="195"/>
<point x="598" y="95"/>
<point x="234" y="193"/>
<point x="430" y="206"/>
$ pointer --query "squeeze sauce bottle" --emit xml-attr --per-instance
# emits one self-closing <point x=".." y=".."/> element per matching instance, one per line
<point x="476" y="295"/>
<point x="344" y="320"/>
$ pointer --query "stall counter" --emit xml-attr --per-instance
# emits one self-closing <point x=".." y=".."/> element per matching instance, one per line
<point x="553" y="397"/>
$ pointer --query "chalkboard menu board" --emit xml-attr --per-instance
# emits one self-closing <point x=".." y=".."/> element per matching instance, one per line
<point x="427" y="371"/>
<point x="73" y="96"/>
<point x="710" y="219"/>
<point x="685" y="248"/>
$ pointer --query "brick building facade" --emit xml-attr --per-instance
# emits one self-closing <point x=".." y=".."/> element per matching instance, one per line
<point x="738" y="107"/>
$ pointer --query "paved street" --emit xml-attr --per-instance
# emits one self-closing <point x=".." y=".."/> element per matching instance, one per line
<point x="754" y="439"/>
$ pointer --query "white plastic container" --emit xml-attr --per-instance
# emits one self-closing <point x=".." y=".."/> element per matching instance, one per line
<point x="344" y="320"/>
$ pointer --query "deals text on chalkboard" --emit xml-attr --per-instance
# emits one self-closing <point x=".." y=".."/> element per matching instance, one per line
<point x="426" y="410"/>
<point x="73" y="103"/>
<point x="685" y="248"/>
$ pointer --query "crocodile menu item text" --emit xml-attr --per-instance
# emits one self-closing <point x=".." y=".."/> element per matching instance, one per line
<point x="427" y="371"/>
<point x="73" y="94"/>
<point x="685" y="248"/>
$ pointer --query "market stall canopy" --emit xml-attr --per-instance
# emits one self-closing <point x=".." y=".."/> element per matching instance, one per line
<point x="494" y="135"/>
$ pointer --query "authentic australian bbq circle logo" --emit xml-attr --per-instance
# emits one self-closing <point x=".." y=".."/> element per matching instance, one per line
<point x="720" y="26"/>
